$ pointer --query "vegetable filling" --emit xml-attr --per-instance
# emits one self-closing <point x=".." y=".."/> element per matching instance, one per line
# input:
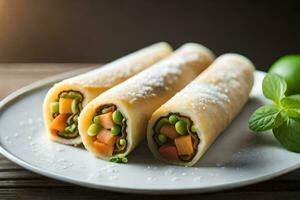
<point x="176" y="137"/>
<point x="65" y="111"/>
<point x="108" y="130"/>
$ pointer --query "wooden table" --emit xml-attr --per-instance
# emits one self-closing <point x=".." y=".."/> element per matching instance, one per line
<point x="18" y="183"/>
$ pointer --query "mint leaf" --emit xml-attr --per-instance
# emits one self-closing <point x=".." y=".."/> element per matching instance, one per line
<point x="295" y="96"/>
<point x="265" y="118"/>
<point x="292" y="113"/>
<point x="291" y="106"/>
<point x="274" y="87"/>
<point x="291" y="103"/>
<point x="281" y="117"/>
<point x="288" y="134"/>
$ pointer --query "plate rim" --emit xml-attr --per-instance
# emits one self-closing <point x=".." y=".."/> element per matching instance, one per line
<point x="12" y="97"/>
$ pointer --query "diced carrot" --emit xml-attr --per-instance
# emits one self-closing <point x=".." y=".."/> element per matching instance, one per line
<point x="169" y="152"/>
<point x="106" y="137"/>
<point x="184" y="145"/>
<point x="65" y="106"/>
<point x="59" y="123"/>
<point x="169" y="131"/>
<point x="104" y="149"/>
<point x="106" y="120"/>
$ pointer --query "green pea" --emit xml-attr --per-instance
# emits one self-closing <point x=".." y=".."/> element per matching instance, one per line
<point x="117" y="117"/>
<point x="74" y="106"/>
<point x="96" y="119"/>
<point x="180" y="127"/>
<point x="115" y="130"/>
<point x="94" y="129"/>
<point x="173" y="119"/>
<point x="54" y="107"/>
<point x="162" y="138"/>
<point x="193" y="128"/>
<point x="122" y="142"/>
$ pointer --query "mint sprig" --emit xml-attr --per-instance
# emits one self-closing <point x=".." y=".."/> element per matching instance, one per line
<point x="274" y="87"/>
<point x="288" y="134"/>
<point x="265" y="118"/>
<point x="283" y="116"/>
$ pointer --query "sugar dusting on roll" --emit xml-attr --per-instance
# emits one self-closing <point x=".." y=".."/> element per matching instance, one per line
<point x="65" y="100"/>
<point x="182" y="129"/>
<point x="115" y="122"/>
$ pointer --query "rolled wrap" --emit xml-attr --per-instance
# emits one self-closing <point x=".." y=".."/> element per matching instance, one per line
<point x="211" y="101"/>
<point x="138" y="97"/>
<point x="93" y="83"/>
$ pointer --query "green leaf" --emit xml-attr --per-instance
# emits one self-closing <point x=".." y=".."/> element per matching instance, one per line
<point x="281" y="117"/>
<point x="288" y="135"/>
<point x="297" y="119"/>
<point x="291" y="106"/>
<point x="274" y="87"/>
<point x="296" y="96"/>
<point x="293" y="113"/>
<point x="291" y="103"/>
<point x="266" y="118"/>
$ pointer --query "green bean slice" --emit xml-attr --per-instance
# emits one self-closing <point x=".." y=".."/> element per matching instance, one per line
<point x="74" y="106"/>
<point x="54" y="107"/>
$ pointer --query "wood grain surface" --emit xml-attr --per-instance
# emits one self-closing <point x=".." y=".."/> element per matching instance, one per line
<point x="18" y="183"/>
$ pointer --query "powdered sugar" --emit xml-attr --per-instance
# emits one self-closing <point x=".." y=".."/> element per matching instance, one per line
<point x="123" y="68"/>
<point x="206" y="93"/>
<point x="217" y="85"/>
<point x="157" y="79"/>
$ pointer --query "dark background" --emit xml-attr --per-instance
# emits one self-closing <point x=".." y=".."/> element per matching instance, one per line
<point x="99" y="31"/>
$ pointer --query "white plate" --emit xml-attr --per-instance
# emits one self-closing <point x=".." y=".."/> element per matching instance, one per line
<point x="238" y="157"/>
